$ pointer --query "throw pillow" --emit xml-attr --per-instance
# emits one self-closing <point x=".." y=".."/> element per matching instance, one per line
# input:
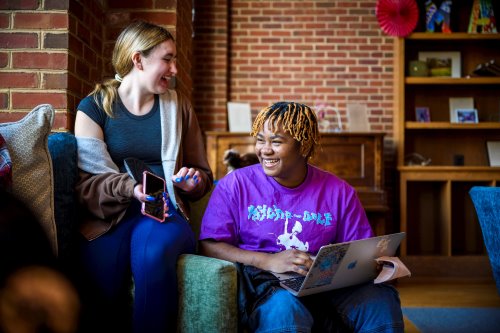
<point x="32" y="180"/>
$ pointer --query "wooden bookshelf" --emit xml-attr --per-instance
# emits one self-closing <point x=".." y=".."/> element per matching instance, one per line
<point x="435" y="208"/>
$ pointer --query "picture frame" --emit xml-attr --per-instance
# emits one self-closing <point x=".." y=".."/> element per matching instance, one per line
<point x="422" y="114"/>
<point x="357" y="117"/>
<point x="466" y="116"/>
<point x="239" y="116"/>
<point x="459" y="103"/>
<point x="493" y="148"/>
<point x="445" y="64"/>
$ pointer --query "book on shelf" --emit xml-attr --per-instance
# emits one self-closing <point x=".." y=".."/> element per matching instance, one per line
<point x="493" y="152"/>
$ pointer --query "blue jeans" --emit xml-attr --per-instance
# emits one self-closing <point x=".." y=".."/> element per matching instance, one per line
<point x="363" y="308"/>
<point x="148" y="251"/>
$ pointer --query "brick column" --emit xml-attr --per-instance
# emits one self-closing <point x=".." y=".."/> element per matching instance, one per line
<point x="33" y="59"/>
<point x="210" y="49"/>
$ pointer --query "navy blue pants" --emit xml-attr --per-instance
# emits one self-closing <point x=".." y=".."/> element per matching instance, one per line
<point x="148" y="251"/>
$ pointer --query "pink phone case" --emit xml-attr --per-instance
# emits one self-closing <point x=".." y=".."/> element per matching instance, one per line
<point x="153" y="186"/>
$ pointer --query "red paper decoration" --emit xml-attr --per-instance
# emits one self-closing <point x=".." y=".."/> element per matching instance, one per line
<point x="397" y="17"/>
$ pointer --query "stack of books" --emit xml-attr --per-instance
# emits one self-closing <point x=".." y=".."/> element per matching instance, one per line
<point x="489" y="68"/>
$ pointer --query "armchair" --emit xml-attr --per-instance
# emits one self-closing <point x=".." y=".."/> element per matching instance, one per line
<point x="207" y="287"/>
<point x="486" y="201"/>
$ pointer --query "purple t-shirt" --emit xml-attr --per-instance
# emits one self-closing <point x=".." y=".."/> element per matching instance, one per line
<point x="252" y="211"/>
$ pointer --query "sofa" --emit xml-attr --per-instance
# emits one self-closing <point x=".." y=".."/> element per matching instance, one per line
<point x="44" y="175"/>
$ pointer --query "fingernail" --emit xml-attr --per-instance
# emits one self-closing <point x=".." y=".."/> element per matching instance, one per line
<point x="150" y="198"/>
<point x="195" y="177"/>
<point x="196" y="181"/>
<point x="187" y="177"/>
<point x="165" y="196"/>
<point x="178" y="180"/>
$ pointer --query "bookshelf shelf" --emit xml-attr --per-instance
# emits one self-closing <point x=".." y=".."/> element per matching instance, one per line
<point x="452" y="81"/>
<point x="413" y="125"/>
<point x="460" y="36"/>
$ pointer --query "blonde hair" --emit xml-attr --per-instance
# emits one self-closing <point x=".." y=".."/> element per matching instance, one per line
<point x="297" y="119"/>
<point x="140" y="37"/>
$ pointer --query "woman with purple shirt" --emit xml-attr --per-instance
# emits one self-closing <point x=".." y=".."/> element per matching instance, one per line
<point x="273" y="215"/>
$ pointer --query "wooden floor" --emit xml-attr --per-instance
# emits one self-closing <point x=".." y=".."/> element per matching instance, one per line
<point x="421" y="292"/>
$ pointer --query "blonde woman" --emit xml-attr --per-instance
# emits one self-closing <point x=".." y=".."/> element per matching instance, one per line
<point x="136" y="115"/>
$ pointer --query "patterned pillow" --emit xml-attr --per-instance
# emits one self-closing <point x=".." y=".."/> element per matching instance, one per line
<point x="32" y="180"/>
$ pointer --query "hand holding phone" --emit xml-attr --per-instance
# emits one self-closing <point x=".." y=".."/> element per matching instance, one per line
<point x="153" y="187"/>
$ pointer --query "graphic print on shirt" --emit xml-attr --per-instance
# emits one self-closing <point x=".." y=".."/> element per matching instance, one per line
<point x="270" y="217"/>
<point x="290" y="240"/>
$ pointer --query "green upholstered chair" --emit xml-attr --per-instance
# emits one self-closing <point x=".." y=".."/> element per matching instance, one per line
<point x="207" y="288"/>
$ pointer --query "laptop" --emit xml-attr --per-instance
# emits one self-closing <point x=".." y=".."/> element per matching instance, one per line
<point x="342" y="265"/>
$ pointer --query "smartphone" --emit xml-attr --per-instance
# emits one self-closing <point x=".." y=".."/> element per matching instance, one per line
<point x="153" y="186"/>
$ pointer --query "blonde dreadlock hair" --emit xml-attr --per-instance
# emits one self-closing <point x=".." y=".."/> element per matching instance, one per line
<point x="296" y="119"/>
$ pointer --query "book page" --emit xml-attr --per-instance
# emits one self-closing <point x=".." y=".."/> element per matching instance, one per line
<point x="392" y="268"/>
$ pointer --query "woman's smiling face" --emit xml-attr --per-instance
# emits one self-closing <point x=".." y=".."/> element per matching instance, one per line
<point x="160" y="66"/>
<point x="280" y="157"/>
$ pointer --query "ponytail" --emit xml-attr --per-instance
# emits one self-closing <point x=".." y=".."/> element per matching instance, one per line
<point x="105" y="95"/>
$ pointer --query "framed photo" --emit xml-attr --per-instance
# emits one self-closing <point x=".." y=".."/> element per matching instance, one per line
<point x="493" y="152"/>
<point x="466" y="116"/>
<point x="445" y="64"/>
<point x="239" y="116"/>
<point x="459" y="103"/>
<point x="422" y="114"/>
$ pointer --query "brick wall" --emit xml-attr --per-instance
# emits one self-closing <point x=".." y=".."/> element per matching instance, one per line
<point x="184" y="44"/>
<point x="211" y="74"/>
<point x="54" y="51"/>
<point x="33" y="59"/>
<point x="252" y="51"/>
<point x="85" y="47"/>
<point x="313" y="52"/>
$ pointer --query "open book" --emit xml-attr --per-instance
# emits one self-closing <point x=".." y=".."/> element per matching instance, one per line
<point x="392" y="268"/>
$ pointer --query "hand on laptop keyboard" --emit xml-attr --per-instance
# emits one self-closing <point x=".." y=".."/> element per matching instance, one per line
<point x="292" y="260"/>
